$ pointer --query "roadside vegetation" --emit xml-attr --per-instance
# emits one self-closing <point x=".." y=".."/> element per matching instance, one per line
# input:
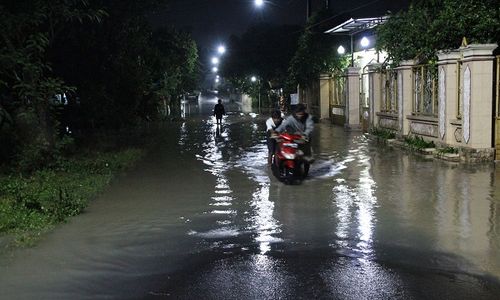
<point x="431" y="25"/>
<point x="32" y="204"/>
<point x="383" y="133"/>
<point x="418" y="143"/>
<point x="77" y="78"/>
<point x="447" y="150"/>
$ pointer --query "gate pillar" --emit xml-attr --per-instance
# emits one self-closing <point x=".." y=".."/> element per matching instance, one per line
<point x="405" y="95"/>
<point x="375" y="92"/>
<point x="448" y="93"/>
<point x="477" y="91"/>
<point x="352" y="103"/>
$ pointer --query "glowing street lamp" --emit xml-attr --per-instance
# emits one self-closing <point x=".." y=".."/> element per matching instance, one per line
<point x="365" y="42"/>
<point x="221" y="49"/>
<point x="259" y="3"/>
<point x="215" y="69"/>
<point x="215" y="60"/>
<point x="254" y="79"/>
<point x="341" y="50"/>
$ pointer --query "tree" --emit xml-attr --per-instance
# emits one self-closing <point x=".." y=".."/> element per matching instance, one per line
<point x="123" y="68"/>
<point x="315" y="54"/>
<point x="69" y="61"/>
<point x="28" y="85"/>
<point x="431" y="25"/>
<point x="174" y="64"/>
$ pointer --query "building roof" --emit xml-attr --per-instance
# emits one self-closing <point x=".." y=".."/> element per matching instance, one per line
<point x="354" y="26"/>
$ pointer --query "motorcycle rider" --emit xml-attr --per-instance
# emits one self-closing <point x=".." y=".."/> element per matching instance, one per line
<point x="299" y="122"/>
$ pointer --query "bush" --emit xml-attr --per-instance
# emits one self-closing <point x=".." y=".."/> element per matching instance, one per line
<point x="418" y="143"/>
<point x="383" y="133"/>
<point x="445" y="150"/>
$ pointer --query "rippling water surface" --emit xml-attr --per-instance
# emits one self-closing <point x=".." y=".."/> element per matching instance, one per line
<point x="202" y="217"/>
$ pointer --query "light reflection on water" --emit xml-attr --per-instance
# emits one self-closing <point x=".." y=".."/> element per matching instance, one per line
<point x="377" y="197"/>
<point x="262" y="222"/>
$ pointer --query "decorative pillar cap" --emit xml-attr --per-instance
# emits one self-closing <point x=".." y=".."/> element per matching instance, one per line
<point x="479" y="50"/>
<point x="446" y="56"/>
<point x="353" y="71"/>
<point x="374" y="67"/>
<point x="406" y="64"/>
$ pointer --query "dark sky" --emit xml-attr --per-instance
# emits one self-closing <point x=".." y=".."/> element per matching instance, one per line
<point x="212" y="21"/>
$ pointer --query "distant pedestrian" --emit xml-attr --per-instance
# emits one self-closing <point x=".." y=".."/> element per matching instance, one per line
<point x="219" y="111"/>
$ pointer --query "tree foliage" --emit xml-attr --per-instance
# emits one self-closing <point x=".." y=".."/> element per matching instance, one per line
<point x="432" y="25"/>
<point x="28" y="85"/>
<point x="84" y="65"/>
<point x="315" y="54"/>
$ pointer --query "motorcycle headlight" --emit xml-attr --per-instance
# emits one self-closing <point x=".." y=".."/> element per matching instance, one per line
<point x="288" y="155"/>
<point x="291" y="145"/>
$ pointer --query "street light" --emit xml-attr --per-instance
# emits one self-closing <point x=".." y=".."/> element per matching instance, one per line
<point x="341" y="50"/>
<point x="215" y="60"/>
<point x="254" y="79"/>
<point x="365" y="42"/>
<point x="215" y="69"/>
<point x="259" y="3"/>
<point x="221" y="49"/>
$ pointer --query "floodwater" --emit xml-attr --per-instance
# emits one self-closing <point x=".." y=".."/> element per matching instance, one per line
<point x="202" y="217"/>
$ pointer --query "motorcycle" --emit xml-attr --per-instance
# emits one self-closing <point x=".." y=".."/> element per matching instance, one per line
<point x="289" y="164"/>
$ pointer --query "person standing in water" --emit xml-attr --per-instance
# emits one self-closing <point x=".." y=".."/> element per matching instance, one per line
<point x="219" y="111"/>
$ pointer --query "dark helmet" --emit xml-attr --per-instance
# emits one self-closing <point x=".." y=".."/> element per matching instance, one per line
<point x="299" y="108"/>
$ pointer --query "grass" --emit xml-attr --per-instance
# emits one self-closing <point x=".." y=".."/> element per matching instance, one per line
<point x="31" y="205"/>
<point x="445" y="150"/>
<point x="418" y="143"/>
<point x="383" y="133"/>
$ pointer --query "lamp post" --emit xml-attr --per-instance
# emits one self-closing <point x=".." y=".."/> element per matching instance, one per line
<point x="254" y="79"/>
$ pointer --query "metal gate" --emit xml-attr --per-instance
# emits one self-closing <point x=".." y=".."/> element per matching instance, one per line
<point x="364" y="101"/>
<point x="338" y="97"/>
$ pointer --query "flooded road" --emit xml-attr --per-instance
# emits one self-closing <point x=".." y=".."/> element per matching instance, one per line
<point x="202" y="217"/>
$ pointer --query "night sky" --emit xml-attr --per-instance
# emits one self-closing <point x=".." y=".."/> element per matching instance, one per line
<point x="211" y="22"/>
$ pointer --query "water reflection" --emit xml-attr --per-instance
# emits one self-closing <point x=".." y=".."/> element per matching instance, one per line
<point x="217" y="164"/>
<point x="263" y="223"/>
<point x="354" y="202"/>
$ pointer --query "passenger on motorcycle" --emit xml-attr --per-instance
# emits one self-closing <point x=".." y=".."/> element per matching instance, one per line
<point x="271" y="124"/>
<point x="299" y="122"/>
